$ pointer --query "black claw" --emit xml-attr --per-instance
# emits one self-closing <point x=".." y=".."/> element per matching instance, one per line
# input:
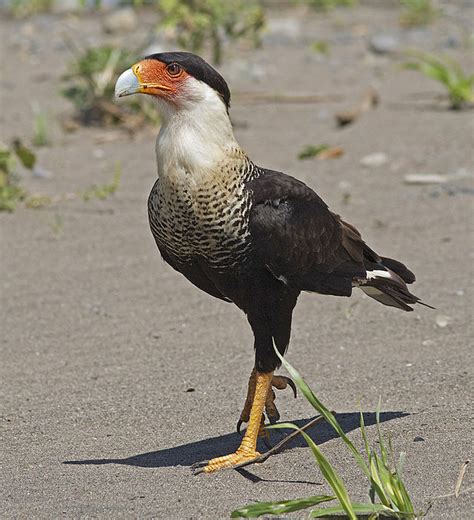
<point x="292" y="385"/>
<point x="200" y="464"/>
<point x="197" y="471"/>
<point x="239" y="424"/>
<point x="274" y="419"/>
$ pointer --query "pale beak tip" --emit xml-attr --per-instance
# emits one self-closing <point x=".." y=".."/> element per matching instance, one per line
<point x="127" y="84"/>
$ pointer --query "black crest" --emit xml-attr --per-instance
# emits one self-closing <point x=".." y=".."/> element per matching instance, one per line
<point x="199" y="69"/>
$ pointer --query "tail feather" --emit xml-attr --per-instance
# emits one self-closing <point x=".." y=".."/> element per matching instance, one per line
<point x="386" y="283"/>
<point x="397" y="267"/>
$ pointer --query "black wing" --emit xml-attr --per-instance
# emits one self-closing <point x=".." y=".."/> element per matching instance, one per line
<point x="300" y="241"/>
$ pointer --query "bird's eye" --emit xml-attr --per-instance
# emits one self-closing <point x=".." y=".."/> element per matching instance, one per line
<point x="173" y="69"/>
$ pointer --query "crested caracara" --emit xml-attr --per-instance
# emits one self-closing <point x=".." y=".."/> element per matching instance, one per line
<point x="242" y="233"/>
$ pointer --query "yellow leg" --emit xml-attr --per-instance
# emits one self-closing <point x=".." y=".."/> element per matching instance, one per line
<point x="278" y="382"/>
<point x="245" y="415"/>
<point x="247" y="449"/>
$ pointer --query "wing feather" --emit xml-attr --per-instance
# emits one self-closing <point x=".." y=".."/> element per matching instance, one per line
<point x="299" y="239"/>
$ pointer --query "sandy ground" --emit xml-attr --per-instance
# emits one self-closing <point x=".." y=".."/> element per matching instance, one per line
<point x="102" y="343"/>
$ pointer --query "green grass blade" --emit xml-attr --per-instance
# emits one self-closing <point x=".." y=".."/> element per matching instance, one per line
<point x="376" y="481"/>
<point x="383" y="450"/>
<point x="448" y="72"/>
<point x="364" y="434"/>
<point x="329" y="417"/>
<point x="280" y="507"/>
<point x="360" y="509"/>
<point x="331" y="476"/>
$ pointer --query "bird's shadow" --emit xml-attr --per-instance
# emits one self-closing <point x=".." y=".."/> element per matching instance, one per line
<point x="188" y="454"/>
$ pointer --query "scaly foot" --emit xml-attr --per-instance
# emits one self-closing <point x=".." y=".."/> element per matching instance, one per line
<point x="259" y="385"/>
<point x="228" y="461"/>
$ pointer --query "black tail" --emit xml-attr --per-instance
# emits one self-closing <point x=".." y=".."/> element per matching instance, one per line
<point x="398" y="268"/>
<point x="386" y="282"/>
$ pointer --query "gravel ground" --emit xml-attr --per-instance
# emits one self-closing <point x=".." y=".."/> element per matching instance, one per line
<point x="116" y="374"/>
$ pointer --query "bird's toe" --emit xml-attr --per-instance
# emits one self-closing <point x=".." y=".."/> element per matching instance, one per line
<point x="226" y="462"/>
<point x="281" y="382"/>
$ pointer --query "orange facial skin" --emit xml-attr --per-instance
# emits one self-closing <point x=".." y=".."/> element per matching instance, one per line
<point x="160" y="79"/>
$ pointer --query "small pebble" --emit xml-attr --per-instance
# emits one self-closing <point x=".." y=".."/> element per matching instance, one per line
<point x="418" y="439"/>
<point x="383" y="43"/>
<point x="443" y="321"/>
<point x="41" y="173"/>
<point x="425" y="178"/>
<point x="374" y="160"/>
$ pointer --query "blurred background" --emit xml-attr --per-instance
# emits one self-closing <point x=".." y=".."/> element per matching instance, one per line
<point x="106" y="352"/>
<point x="61" y="58"/>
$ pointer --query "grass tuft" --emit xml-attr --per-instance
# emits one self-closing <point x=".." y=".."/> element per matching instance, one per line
<point x="327" y="5"/>
<point x="11" y="193"/>
<point x="103" y="191"/>
<point x="40" y="128"/>
<point x="417" y="12"/>
<point x="213" y="22"/>
<point x="90" y="85"/>
<point x="459" y="85"/>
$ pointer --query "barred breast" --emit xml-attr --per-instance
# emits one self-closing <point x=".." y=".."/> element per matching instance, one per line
<point x="209" y="218"/>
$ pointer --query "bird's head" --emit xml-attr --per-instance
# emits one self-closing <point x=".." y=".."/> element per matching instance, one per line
<point x="179" y="80"/>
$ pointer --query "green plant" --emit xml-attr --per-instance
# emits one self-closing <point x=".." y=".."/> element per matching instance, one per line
<point x="10" y="190"/>
<point x="24" y="8"/>
<point x="326" y="5"/>
<point x="103" y="191"/>
<point x="417" y="12"/>
<point x="57" y="226"/>
<point x="320" y="47"/>
<point x="322" y="151"/>
<point x="199" y="21"/>
<point x="40" y="127"/>
<point x="310" y="151"/>
<point x="460" y="86"/>
<point x="90" y="84"/>
<point x="385" y="481"/>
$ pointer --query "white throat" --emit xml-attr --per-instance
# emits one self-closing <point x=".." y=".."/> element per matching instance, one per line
<point x="195" y="136"/>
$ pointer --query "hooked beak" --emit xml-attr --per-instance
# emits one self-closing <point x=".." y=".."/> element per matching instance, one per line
<point x="129" y="83"/>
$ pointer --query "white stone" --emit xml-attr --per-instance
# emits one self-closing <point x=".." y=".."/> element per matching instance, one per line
<point x="374" y="160"/>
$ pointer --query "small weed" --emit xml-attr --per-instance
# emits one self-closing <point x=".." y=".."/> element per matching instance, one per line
<point x="321" y="47"/>
<point x="327" y="5"/>
<point x="213" y="21"/>
<point x="90" y="84"/>
<point x="104" y="191"/>
<point x="322" y="151"/>
<point x="40" y="128"/>
<point x="57" y="225"/>
<point x="26" y="156"/>
<point x="11" y="193"/>
<point x="310" y="151"/>
<point x="385" y="481"/>
<point x="38" y="201"/>
<point x="460" y="86"/>
<point x="24" y="8"/>
<point x="417" y="12"/>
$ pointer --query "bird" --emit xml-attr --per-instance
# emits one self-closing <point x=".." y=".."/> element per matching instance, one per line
<point x="245" y="234"/>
